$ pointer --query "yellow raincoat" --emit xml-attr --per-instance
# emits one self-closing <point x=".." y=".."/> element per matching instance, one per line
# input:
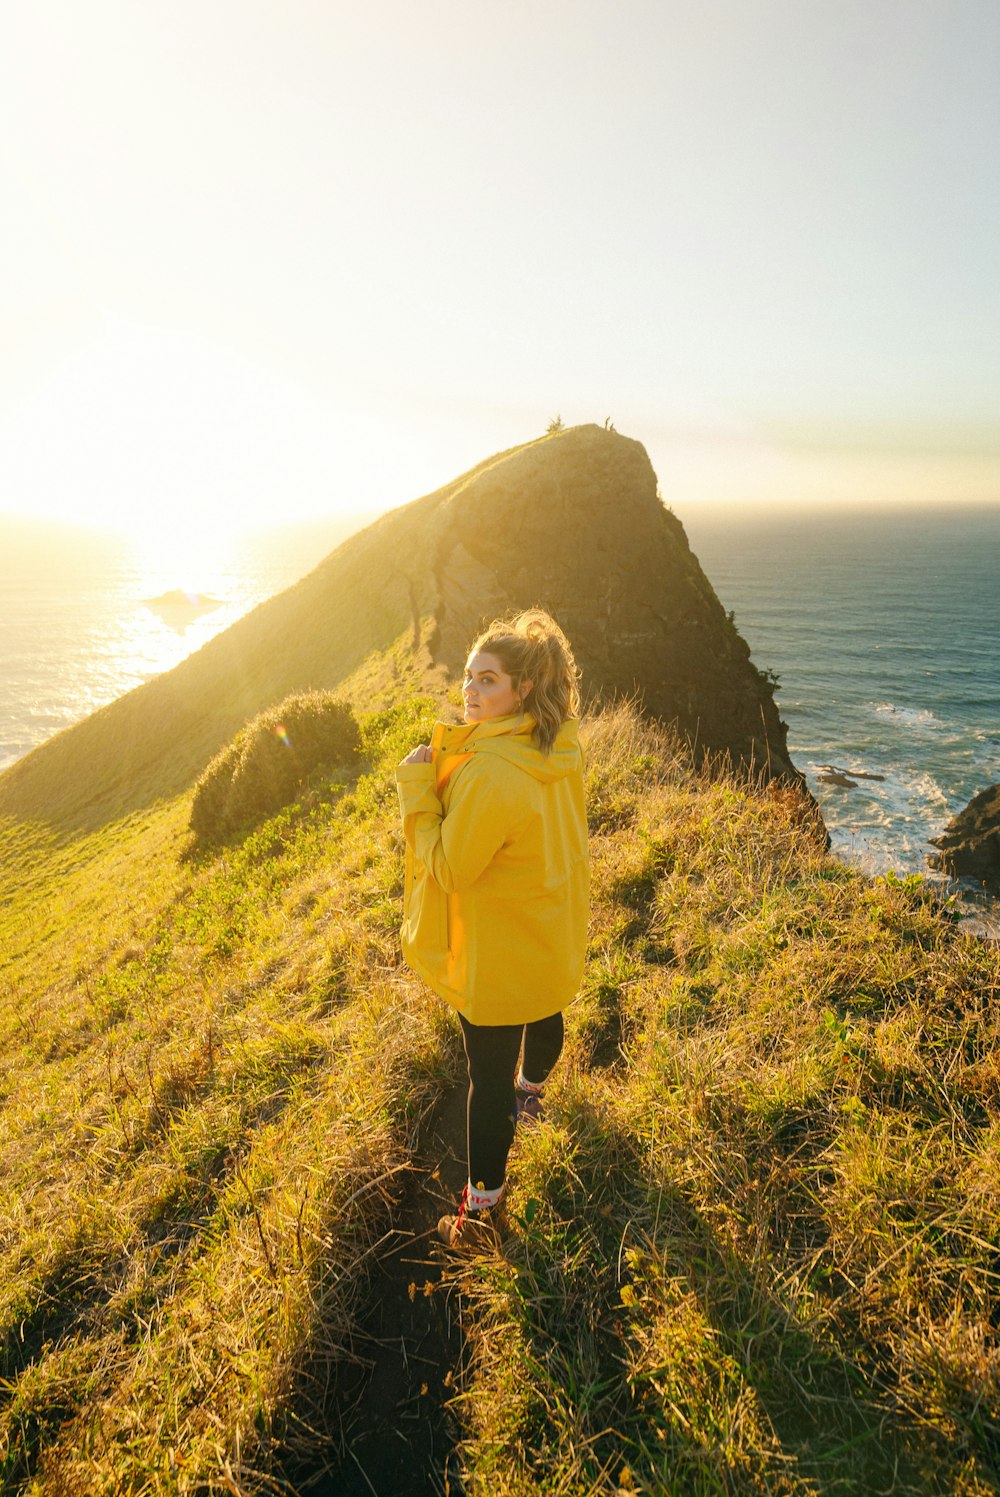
<point x="496" y="899"/>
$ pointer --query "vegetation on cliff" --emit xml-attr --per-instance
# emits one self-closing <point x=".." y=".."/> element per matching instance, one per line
<point x="754" y="1249"/>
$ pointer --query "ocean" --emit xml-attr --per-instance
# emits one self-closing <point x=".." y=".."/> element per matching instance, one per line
<point x="81" y="622"/>
<point x="883" y="628"/>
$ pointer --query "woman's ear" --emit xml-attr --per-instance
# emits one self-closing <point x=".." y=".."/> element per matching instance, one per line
<point x="523" y="690"/>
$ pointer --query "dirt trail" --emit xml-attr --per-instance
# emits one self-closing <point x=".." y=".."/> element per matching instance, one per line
<point x="402" y="1439"/>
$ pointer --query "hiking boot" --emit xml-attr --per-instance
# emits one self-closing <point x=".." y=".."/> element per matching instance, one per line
<point x="528" y="1107"/>
<point x="474" y="1231"/>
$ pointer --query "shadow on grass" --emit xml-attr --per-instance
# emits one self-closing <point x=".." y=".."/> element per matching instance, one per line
<point x="92" y="1289"/>
<point x="664" y="1352"/>
<point x="376" y="1418"/>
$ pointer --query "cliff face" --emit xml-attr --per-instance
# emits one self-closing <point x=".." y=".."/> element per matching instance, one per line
<point x="575" y="526"/>
<point x="570" y="523"/>
<point x="970" y="843"/>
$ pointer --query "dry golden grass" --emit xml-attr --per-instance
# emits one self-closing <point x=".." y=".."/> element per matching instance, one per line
<point x="207" y="1117"/>
<point x="758" y="1247"/>
<point x="755" y="1248"/>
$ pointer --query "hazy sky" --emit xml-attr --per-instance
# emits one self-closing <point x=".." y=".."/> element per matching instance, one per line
<point x="263" y="259"/>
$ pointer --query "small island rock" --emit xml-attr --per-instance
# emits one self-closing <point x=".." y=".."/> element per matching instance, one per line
<point x="183" y="602"/>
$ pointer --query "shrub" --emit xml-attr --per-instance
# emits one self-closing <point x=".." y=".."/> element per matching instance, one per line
<point x="270" y="759"/>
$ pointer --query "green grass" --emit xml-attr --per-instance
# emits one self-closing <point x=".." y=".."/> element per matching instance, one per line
<point x="212" y="1073"/>
<point x="756" y="1247"/>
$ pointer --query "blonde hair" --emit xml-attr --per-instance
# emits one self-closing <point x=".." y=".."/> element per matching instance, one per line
<point x="532" y="647"/>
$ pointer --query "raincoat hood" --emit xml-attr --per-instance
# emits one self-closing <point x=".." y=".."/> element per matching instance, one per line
<point x="508" y="738"/>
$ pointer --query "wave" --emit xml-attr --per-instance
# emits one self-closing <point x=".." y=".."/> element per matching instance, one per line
<point x="907" y="716"/>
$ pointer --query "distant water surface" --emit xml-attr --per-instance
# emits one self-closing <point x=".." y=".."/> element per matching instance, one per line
<point x="884" y="628"/>
<point x="78" y="627"/>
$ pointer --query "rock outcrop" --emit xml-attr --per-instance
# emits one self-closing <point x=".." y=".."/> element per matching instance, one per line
<point x="969" y="846"/>
<point x="571" y="523"/>
<point x="575" y="525"/>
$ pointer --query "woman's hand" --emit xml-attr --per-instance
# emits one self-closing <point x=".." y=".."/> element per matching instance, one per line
<point x="420" y="755"/>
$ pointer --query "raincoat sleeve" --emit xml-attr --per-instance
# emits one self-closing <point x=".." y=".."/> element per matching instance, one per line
<point x="456" y="847"/>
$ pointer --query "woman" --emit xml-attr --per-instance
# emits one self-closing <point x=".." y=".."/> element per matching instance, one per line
<point x="496" y="898"/>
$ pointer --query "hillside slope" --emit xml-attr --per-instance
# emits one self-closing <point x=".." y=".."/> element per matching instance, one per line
<point x="754" y="1248"/>
<point x="571" y="522"/>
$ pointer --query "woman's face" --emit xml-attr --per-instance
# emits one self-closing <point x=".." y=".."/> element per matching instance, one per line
<point x="487" y="690"/>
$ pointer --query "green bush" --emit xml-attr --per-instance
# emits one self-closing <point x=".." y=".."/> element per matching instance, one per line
<point x="270" y="759"/>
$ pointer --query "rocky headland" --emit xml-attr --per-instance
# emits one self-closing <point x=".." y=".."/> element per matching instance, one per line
<point x="572" y="522"/>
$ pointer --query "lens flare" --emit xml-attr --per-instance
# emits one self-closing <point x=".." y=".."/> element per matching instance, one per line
<point x="282" y="734"/>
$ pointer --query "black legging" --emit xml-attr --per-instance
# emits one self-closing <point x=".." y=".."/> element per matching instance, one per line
<point x="492" y="1051"/>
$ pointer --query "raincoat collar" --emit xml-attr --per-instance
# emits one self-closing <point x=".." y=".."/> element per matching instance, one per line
<point x="456" y="737"/>
<point x="453" y="744"/>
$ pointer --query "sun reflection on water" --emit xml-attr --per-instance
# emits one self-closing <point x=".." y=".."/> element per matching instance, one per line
<point x="80" y="624"/>
<point x="177" y="596"/>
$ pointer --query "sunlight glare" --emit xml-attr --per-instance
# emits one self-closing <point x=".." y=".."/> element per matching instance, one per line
<point x="191" y="558"/>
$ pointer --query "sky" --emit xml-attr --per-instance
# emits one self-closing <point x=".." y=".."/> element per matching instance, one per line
<point x="262" y="260"/>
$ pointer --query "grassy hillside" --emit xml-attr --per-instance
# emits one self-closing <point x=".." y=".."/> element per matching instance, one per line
<point x="393" y="610"/>
<point x="755" y="1249"/>
<point x="355" y="622"/>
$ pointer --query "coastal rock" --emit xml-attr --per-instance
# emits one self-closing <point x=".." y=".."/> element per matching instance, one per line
<point x="571" y="522"/>
<point x="831" y="774"/>
<point x="179" y="598"/>
<point x="576" y="526"/>
<point x="969" y="846"/>
<point x="179" y="608"/>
